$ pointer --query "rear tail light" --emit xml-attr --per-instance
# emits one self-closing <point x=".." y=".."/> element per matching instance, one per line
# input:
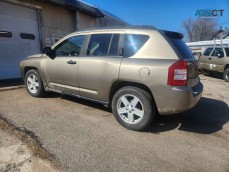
<point x="177" y="75"/>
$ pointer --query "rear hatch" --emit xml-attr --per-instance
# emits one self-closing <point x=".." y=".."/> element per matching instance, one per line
<point x="184" y="53"/>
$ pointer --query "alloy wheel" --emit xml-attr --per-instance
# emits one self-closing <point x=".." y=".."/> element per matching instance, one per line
<point x="130" y="109"/>
<point x="33" y="83"/>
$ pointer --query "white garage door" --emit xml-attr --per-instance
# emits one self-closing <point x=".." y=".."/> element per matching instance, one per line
<point x="19" y="38"/>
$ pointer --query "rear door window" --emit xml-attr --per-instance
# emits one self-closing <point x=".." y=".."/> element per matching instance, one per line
<point x="227" y="51"/>
<point x="133" y="44"/>
<point x="103" y="45"/>
<point x="218" y="52"/>
<point x="208" y="51"/>
<point x="114" y="46"/>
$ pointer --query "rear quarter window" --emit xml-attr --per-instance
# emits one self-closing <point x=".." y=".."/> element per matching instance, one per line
<point x="133" y="43"/>
<point x="175" y="39"/>
<point x="182" y="48"/>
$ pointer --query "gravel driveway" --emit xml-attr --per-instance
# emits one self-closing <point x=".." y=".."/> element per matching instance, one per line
<point x="84" y="136"/>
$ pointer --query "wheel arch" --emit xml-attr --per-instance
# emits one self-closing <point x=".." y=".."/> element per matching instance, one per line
<point x="120" y="84"/>
<point x="27" y="68"/>
<point x="226" y="67"/>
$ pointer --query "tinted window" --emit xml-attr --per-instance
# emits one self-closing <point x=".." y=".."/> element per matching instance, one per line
<point x="227" y="51"/>
<point x="99" y="45"/>
<point x="208" y="52"/>
<point x="133" y="43"/>
<point x="114" y="45"/>
<point x="70" y="47"/>
<point x="218" y="51"/>
<point x="182" y="48"/>
<point x="5" y="34"/>
<point x="27" y="36"/>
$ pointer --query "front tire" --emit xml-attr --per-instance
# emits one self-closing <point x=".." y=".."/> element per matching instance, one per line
<point x="226" y="75"/>
<point x="133" y="108"/>
<point x="34" y="84"/>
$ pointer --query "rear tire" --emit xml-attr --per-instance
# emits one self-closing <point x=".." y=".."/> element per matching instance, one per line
<point x="34" y="84"/>
<point x="226" y="75"/>
<point x="133" y="108"/>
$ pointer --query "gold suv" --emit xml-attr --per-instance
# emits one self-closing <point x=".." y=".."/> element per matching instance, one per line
<point x="137" y="71"/>
<point x="216" y="59"/>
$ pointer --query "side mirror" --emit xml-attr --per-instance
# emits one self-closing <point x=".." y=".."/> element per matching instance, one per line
<point x="49" y="52"/>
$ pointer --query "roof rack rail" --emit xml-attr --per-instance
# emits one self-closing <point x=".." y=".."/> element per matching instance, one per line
<point x="122" y="26"/>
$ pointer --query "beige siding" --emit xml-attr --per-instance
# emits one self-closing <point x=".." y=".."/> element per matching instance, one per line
<point x="85" y="21"/>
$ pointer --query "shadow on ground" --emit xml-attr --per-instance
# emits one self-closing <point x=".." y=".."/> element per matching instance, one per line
<point x="216" y="75"/>
<point x="207" y="117"/>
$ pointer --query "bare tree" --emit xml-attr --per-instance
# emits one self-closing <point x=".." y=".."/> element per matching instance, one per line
<point x="200" y="29"/>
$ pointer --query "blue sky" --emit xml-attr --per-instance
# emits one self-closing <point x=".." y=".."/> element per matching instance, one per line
<point x="163" y="14"/>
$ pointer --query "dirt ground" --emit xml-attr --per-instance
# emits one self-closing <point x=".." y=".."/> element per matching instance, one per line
<point x="16" y="155"/>
<point x="84" y="136"/>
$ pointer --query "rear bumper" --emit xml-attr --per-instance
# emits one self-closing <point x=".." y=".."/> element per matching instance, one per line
<point x="180" y="99"/>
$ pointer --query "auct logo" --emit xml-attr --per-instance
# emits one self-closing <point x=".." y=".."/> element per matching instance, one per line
<point x="209" y="13"/>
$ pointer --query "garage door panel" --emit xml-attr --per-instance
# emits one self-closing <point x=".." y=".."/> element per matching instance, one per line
<point x="10" y="22"/>
<point x="11" y="60"/>
<point x="8" y="47"/>
<point x="22" y="23"/>
<point x="9" y="72"/>
<point x="17" y="11"/>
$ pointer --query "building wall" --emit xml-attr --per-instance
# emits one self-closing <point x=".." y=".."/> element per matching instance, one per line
<point x="107" y="21"/>
<point x="85" y="21"/>
<point x="55" y="21"/>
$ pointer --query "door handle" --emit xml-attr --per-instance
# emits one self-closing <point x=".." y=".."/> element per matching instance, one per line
<point x="71" y="62"/>
<point x="210" y="58"/>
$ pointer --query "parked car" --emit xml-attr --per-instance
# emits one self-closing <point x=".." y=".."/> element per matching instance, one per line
<point x="137" y="71"/>
<point x="216" y="59"/>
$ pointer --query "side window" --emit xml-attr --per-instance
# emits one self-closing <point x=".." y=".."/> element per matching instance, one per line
<point x="208" y="51"/>
<point x="99" y="45"/>
<point x="218" y="52"/>
<point x="5" y="34"/>
<point x="114" y="45"/>
<point x="70" y="46"/>
<point x="133" y="43"/>
<point x="227" y="51"/>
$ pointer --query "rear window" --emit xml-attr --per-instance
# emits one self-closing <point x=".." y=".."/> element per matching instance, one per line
<point x="227" y="51"/>
<point x="182" y="48"/>
<point x="208" y="52"/>
<point x="133" y="43"/>
<point x="176" y="40"/>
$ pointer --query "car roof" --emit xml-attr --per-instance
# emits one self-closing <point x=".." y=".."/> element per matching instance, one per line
<point x="143" y="27"/>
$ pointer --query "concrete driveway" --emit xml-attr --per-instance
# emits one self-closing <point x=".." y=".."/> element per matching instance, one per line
<point x="84" y="136"/>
